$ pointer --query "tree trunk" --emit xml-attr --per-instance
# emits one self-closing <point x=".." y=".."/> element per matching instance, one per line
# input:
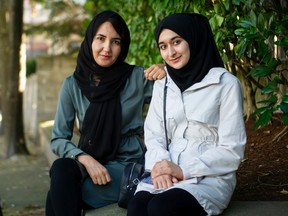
<point x="12" y="22"/>
<point x="249" y="99"/>
<point x="4" y="51"/>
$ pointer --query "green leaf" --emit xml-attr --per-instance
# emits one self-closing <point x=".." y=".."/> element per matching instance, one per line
<point x="245" y="23"/>
<point x="270" y="101"/>
<point x="264" y="119"/>
<point x="237" y="2"/>
<point x="253" y="18"/>
<point x="270" y="87"/>
<point x="262" y="48"/>
<point x="219" y="19"/>
<point x="260" y="71"/>
<point x="261" y="22"/>
<point x="284" y="107"/>
<point x="259" y="110"/>
<point x="241" y="47"/>
<point x="271" y="20"/>
<point x="273" y="63"/>
<point x="251" y="33"/>
<point x="285" y="99"/>
<point x="279" y="80"/>
<point x="285" y="119"/>
<point x="226" y="5"/>
<point x="240" y="31"/>
<point x="213" y="23"/>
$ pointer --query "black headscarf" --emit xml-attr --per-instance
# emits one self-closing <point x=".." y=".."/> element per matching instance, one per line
<point x="101" y="130"/>
<point x="196" y="30"/>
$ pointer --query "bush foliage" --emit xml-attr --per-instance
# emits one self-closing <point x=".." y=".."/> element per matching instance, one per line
<point x="252" y="37"/>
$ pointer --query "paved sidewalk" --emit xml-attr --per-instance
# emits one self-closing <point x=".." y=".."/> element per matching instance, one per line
<point x="24" y="182"/>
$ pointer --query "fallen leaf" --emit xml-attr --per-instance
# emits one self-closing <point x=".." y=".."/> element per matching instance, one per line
<point x="284" y="191"/>
<point x="263" y="173"/>
<point x="244" y="160"/>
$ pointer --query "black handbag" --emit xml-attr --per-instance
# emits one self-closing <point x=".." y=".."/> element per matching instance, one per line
<point x="133" y="173"/>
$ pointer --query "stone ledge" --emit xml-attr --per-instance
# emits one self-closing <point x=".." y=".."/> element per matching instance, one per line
<point x="45" y="131"/>
<point x="257" y="208"/>
<point x="236" y="208"/>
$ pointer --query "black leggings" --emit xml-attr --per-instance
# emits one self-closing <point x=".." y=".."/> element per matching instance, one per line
<point x="64" y="197"/>
<point x="174" y="202"/>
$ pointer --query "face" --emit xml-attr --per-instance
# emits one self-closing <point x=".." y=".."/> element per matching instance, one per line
<point x="106" y="45"/>
<point x="174" y="49"/>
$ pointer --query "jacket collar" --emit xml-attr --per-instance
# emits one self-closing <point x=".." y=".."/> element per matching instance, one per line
<point x="212" y="77"/>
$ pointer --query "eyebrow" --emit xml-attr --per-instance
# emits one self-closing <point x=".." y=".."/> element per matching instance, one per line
<point x="173" y="38"/>
<point x="116" y="38"/>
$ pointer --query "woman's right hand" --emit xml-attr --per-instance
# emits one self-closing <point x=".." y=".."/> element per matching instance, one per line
<point x="155" y="72"/>
<point x="163" y="182"/>
<point x="98" y="173"/>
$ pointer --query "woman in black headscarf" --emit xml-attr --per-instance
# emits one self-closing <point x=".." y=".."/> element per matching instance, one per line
<point x="195" y="144"/>
<point x="106" y="96"/>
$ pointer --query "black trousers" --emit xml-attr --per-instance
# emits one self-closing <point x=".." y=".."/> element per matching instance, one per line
<point x="174" y="202"/>
<point x="64" y="197"/>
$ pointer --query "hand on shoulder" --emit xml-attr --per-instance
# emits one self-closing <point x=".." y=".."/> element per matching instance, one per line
<point x="155" y="72"/>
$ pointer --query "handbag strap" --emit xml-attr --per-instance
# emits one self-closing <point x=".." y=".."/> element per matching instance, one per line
<point x="164" y="111"/>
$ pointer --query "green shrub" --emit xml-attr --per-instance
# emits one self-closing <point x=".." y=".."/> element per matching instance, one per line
<point x="30" y="67"/>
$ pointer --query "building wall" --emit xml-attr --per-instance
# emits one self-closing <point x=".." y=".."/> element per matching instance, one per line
<point x="41" y="92"/>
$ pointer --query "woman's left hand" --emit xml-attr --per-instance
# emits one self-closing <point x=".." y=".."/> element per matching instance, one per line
<point x="155" y="72"/>
<point x="167" y="168"/>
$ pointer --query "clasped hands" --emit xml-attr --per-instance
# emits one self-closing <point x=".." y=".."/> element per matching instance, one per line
<point x="165" y="173"/>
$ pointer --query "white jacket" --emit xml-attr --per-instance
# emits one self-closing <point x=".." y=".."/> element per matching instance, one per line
<point x="207" y="132"/>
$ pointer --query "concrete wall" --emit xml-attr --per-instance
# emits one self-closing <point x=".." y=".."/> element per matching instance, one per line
<point x="41" y="93"/>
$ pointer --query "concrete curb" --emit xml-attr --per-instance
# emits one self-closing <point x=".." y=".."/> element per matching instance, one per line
<point x="257" y="208"/>
<point x="236" y="208"/>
